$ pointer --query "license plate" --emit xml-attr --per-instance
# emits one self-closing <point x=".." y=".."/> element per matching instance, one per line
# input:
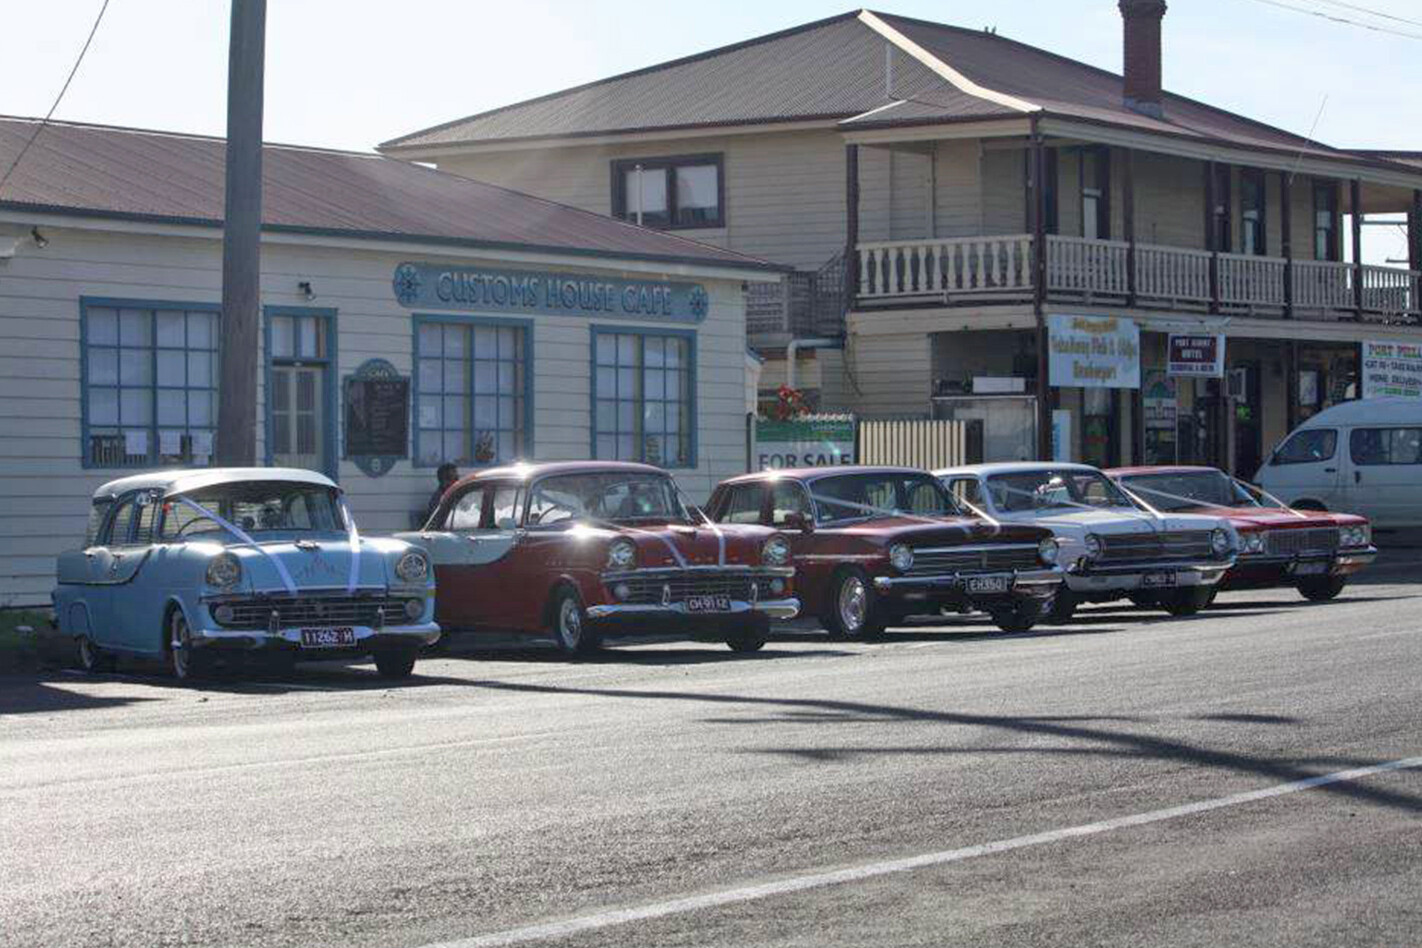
<point x="1310" y="569"/>
<point x="708" y="604"/>
<point x="327" y="638"/>
<point x="989" y="584"/>
<point x="1157" y="580"/>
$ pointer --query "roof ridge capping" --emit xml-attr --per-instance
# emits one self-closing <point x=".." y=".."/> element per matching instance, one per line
<point x="941" y="69"/>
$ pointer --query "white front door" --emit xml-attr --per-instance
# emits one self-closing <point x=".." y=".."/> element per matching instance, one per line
<point x="298" y="416"/>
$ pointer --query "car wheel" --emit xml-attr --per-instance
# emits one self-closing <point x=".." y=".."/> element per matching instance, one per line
<point x="1187" y="602"/>
<point x="1322" y="588"/>
<point x="853" y="612"/>
<point x="395" y="663"/>
<point x="183" y="661"/>
<point x="92" y="659"/>
<point x="1019" y="617"/>
<point x="1063" y="607"/>
<point x="749" y="637"/>
<point x="570" y="623"/>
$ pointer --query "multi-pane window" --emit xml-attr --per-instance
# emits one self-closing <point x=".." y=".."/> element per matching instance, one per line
<point x="1219" y="214"/>
<point x="151" y="385"/>
<point x="642" y="399"/>
<point x="1325" y="221"/>
<point x="669" y="192"/>
<point x="473" y="387"/>
<point x="1095" y="188"/>
<point x="1251" y="212"/>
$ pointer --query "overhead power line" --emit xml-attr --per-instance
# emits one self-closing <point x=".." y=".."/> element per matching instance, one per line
<point x="1337" y="18"/>
<point x="1380" y="14"/>
<point x="57" y="99"/>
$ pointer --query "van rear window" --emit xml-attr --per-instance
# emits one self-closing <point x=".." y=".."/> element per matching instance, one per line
<point x="1370" y="446"/>
<point x="1307" y="447"/>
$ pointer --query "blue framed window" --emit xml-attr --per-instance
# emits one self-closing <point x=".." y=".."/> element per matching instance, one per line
<point x="302" y="415"/>
<point x="644" y="389"/>
<point x="473" y="400"/>
<point x="149" y="381"/>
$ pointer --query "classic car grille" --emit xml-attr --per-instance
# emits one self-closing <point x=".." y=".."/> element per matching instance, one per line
<point x="1291" y="542"/>
<point x="1167" y="546"/>
<point x="652" y="588"/>
<point x="990" y="559"/>
<point x="334" y="610"/>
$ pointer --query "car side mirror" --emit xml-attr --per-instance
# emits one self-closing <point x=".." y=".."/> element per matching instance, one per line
<point x="798" y="521"/>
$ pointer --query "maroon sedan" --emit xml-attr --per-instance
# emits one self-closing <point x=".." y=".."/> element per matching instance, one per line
<point x="588" y="549"/>
<point x="875" y="545"/>
<point x="1313" y="551"/>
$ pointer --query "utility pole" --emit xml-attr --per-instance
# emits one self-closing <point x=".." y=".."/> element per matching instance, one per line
<point x="241" y="237"/>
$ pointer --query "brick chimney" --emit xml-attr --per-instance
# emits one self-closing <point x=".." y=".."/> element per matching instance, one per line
<point x="1142" y="34"/>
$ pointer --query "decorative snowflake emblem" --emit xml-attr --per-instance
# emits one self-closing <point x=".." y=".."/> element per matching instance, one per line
<point x="407" y="283"/>
<point x="698" y="301"/>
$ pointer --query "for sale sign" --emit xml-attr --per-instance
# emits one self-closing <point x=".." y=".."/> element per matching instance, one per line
<point x="809" y="441"/>
<point x="1199" y="355"/>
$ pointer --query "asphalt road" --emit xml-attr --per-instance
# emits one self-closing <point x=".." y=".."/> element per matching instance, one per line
<point x="510" y="788"/>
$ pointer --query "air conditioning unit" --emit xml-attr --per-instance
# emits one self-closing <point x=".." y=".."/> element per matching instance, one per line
<point x="1238" y="384"/>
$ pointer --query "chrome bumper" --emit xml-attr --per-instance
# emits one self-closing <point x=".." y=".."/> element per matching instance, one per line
<point x="772" y="608"/>
<point x="1340" y="561"/>
<point x="423" y="633"/>
<point x="1131" y="576"/>
<point x="1035" y="582"/>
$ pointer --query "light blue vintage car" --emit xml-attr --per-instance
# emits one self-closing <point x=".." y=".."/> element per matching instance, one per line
<point x="191" y="566"/>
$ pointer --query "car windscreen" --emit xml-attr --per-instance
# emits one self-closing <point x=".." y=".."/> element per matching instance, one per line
<point x="255" y="507"/>
<point x="1189" y="490"/>
<point x="611" y="496"/>
<point x="1046" y="489"/>
<point x="890" y="494"/>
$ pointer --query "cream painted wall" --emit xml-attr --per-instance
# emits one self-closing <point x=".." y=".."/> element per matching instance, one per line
<point x="44" y="490"/>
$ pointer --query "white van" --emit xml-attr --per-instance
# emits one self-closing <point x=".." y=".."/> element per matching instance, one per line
<point x="1362" y="457"/>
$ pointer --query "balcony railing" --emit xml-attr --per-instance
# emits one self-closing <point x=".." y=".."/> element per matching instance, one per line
<point x="962" y="270"/>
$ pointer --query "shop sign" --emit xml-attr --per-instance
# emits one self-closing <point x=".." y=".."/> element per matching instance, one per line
<point x="1159" y="406"/>
<point x="377" y="410"/>
<point x="1196" y="355"/>
<point x="811" y="441"/>
<point x="526" y="292"/>
<point x="1392" y="368"/>
<point x="1093" y="352"/>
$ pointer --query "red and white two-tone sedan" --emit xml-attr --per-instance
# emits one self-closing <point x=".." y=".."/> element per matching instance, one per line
<point x="1314" y="551"/>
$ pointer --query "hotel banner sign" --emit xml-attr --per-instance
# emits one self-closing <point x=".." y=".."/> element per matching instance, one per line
<point x="1392" y="368"/>
<point x="1198" y="355"/>
<point x="1093" y="352"/>
<point x="526" y="292"/>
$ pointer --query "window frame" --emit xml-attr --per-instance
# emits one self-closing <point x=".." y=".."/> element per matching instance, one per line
<point x="470" y="322"/>
<point x="1333" y="252"/>
<point x="724" y="505"/>
<point x="668" y="164"/>
<point x="326" y="320"/>
<point x="151" y="308"/>
<point x="1387" y="431"/>
<point x="643" y="333"/>
<point x="1099" y="156"/>
<point x="1276" y="459"/>
<point x="1256" y="180"/>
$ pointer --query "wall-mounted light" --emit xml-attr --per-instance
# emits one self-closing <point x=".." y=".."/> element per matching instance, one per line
<point x="41" y="241"/>
<point x="306" y="291"/>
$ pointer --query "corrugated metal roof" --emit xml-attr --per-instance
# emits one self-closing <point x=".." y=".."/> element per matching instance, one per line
<point x="834" y="69"/>
<point x="162" y="176"/>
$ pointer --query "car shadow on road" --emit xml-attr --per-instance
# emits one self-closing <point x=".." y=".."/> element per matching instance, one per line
<point x="616" y="653"/>
<point x="1109" y="743"/>
<point x="43" y="695"/>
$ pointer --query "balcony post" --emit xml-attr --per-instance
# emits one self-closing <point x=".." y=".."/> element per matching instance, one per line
<point x="1037" y="157"/>
<point x="1211" y="243"/>
<point x="1128" y="219"/>
<point x="851" y="223"/>
<point x="1355" y="205"/>
<point x="1286" y="221"/>
<point x="1414" y="236"/>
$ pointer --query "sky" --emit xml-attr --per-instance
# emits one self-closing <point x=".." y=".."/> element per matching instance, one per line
<point x="354" y="73"/>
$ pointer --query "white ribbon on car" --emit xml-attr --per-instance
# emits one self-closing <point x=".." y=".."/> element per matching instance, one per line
<point x="243" y="537"/>
<point x="353" y="578"/>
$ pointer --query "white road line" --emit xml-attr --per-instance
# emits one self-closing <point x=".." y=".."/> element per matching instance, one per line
<point x="572" y="926"/>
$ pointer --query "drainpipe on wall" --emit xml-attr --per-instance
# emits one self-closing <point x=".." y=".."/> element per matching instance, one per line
<point x="794" y="348"/>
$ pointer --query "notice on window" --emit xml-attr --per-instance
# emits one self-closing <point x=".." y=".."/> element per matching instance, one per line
<point x="1093" y="352"/>
<point x="135" y="443"/>
<point x="1392" y="368"/>
<point x="202" y="446"/>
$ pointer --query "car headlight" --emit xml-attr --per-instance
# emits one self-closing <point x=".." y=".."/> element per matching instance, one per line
<point x="1220" y="542"/>
<point x="413" y="567"/>
<point x="1356" y="536"/>
<point x="414" y="608"/>
<point x="901" y="557"/>
<point x="775" y="552"/>
<point x="621" y="554"/>
<point x="1253" y="542"/>
<point x="1093" y="545"/>
<point x="224" y="571"/>
<point x="1047" y="550"/>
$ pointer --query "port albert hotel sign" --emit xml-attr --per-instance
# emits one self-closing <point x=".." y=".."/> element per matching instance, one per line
<point x="436" y="286"/>
<point x="1093" y="352"/>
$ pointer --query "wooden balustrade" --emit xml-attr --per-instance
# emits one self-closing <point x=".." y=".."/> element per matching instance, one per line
<point x="1088" y="267"/>
<point x="956" y="265"/>
<point x="1248" y="281"/>
<point x="1172" y="274"/>
<point x="1322" y="285"/>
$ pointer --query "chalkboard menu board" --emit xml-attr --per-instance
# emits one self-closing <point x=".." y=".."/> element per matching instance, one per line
<point x="377" y="408"/>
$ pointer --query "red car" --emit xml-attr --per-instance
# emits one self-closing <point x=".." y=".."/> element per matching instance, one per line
<point x="875" y="545"/>
<point x="586" y="549"/>
<point x="1313" y="551"/>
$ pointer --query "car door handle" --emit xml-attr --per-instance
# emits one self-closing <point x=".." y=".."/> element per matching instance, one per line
<point x="1357" y="477"/>
<point x="1330" y="470"/>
